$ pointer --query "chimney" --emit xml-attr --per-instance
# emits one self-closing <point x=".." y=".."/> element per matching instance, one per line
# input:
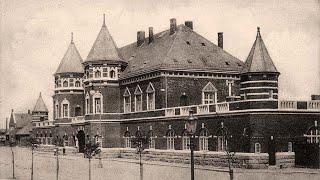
<point x="150" y="35"/>
<point x="173" y="25"/>
<point x="189" y="24"/>
<point x="140" y="38"/>
<point x="220" y="39"/>
<point x="29" y="112"/>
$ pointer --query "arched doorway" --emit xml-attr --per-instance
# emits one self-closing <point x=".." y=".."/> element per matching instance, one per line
<point x="81" y="140"/>
<point x="272" y="151"/>
<point x="184" y="100"/>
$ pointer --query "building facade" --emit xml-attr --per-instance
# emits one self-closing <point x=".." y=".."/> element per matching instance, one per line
<point x="148" y="87"/>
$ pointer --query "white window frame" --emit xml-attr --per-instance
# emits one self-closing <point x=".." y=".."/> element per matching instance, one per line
<point x="127" y="142"/>
<point x="290" y="147"/>
<point x="203" y="140"/>
<point x="170" y="140"/>
<point x="185" y="142"/>
<point x="152" y="144"/>
<point x="137" y="93"/>
<point x="65" y="102"/>
<point x="127" y="105"/>
<point x="211" y="89"/>
<point x="257" y="148"/>
<point x="150" y="93"/>
<point x="97" y="95"/>
<point x="222" y="143"/>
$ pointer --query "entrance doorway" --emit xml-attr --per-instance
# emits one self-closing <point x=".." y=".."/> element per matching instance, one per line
<point x="81" y="140"/>
<point x="77" y="111"/>
<point x="272" y="152"/>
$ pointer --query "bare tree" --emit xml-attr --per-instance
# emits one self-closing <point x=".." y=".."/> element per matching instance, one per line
<point x="90" y="151"/>
<point x="32" y="143"/>
<point x="141" y="142"/>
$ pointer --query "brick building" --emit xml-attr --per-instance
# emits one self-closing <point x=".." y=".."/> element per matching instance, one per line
<point x="149" y="87"/>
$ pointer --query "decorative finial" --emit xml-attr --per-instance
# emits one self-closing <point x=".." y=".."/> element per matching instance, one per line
<point x="71" y="37"/>
<point x="40" y="94"/>
<point x="104" y="20"/>
<point x="258" y="32"/>
<point x="11" y="110"/>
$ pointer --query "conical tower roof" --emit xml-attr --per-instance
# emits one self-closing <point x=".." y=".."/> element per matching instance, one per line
<point x="11" y="122"/>
<point x="71" y="61"/>
<point x="104" y="48"/>
<point x="259" y="59"/>
<point x="40" y="105"/>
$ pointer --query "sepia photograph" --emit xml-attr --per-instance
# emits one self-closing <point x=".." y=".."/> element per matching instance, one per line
<point x="160" y="89"/>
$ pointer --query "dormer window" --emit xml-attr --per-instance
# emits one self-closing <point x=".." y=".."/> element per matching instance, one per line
<point x="150" y="97"/>
<point x="65" y="83"/>
<point x="127" y="100"/>
<point x="97" y="74"/>
<point x="77" y="83"/>
<point x="209" y="94"/>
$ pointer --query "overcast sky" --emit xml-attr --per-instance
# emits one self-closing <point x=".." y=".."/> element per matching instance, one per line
<point x="34" y="36"/>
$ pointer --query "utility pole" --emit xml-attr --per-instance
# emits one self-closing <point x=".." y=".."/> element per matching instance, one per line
<point x="32" y="163"/>
<point x="12" y="153"/>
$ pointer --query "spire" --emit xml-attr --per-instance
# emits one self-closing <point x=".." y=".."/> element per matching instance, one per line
<point x="104" y="20"/>
<point x="259" y="59"/>
<point x="72" y="37"/>
<point x="40" y="105"/>
<point x="71" y="61"/>
<point x="104" y="48"/>
<point x="11" y="121"/>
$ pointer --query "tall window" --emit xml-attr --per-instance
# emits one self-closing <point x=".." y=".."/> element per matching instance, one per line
<point x="203" y="140"/>
<point x="152" y="143"/>
<point x="97" y="74"/>
<point x="290" y="149"/>
<point x="127" y="139"/>
<point x="97" y="103"/>
<point x="170" y="139"/>
<point x="222" y="135"/>
<point x="112" y="74"/>
<point x="150" y="97"/>
<point x="105" y="72"/>
<point x="59" y="83"/>
<point x="87" y="104"/>
<point x="185" y="140"/>
<point x="138" y="99"/>
<point x="57" y="109"/>
<point x="127" y="100"/>
<point x="65" y="108"/>
<point x="257" y="148"/>
<point x="209" y="94"/>
<point x="229" y="84"/>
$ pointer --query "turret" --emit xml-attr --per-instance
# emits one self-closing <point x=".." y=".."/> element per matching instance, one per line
<point x="102" y="66"/>
<point x="69" y="93"/>
<point x="259" y="77"/>
<point x="40" y="111"/>
<point x="12" y="124"/>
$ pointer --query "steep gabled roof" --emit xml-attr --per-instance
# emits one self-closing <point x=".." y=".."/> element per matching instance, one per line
<point x="71" y="61"/>
<point x="183" y="50"/>
<point x="104" y="48"/>
<point x="40" y="105"/>
<point x="22" y="119"/>
<point x="259" y="59"/>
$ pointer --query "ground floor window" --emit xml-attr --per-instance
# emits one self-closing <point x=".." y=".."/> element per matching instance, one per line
<point x="203" y="143"/>
<point x="127" y="142"/>
<point x="222" y="143"/>
<point x="185" y="142"/>
<point x="290" y="149"/>
<point x="257" y="148"/>
<point x="152" y="144"/>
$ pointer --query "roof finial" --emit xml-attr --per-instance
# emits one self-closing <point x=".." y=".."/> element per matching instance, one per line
<point x="71" y="37"/>
<point x="258" y="32"/>
<point x="40" y="94"/>
<point x="104" y="20"/>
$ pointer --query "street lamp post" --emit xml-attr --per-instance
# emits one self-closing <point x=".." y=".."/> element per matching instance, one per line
<point x="191" y="123"/>
<point x="56" y="153"/>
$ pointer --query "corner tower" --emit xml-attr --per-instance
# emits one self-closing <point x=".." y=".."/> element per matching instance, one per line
<point x="259" y="77"/>
<point x="40" y="111"/>
<point x="103" y="67"/>
<point x="68" y="98"/>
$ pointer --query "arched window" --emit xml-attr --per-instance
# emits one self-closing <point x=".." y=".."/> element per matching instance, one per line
<point x="65" y="108"/>
<point x="97" y="103"/>
<point x="77" y="111"/>
<point x="184" y="100"/>
<point x="290" y="149"/>
<point x="222" y="135"/>
<point x="313" y="133"/>
<point x="185" y="140"/>
<point x="112" y="74"/>
<point x="170" y="138"/>
<point x="87" y="102"/>
<point x="77" y="84"/>
<point x="203" y="139"/>
<point x="138" y="99"/>
<point x="59" y="83"/>
<point x="127" y="101"/>
<point x="127" y="139"/>
<point x="97" y="74"/>
<point x="152" y="143"/>
<point x="257" y="148"/>
<point x="209" y="94"/>
<point x="65" y="83"/>
<point x="150" y="97"/>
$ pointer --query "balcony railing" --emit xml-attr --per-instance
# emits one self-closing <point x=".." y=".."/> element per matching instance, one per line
<point x="287" y="104"/>
<point x="77" y="119"/>
<point x="313" y="105"/>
